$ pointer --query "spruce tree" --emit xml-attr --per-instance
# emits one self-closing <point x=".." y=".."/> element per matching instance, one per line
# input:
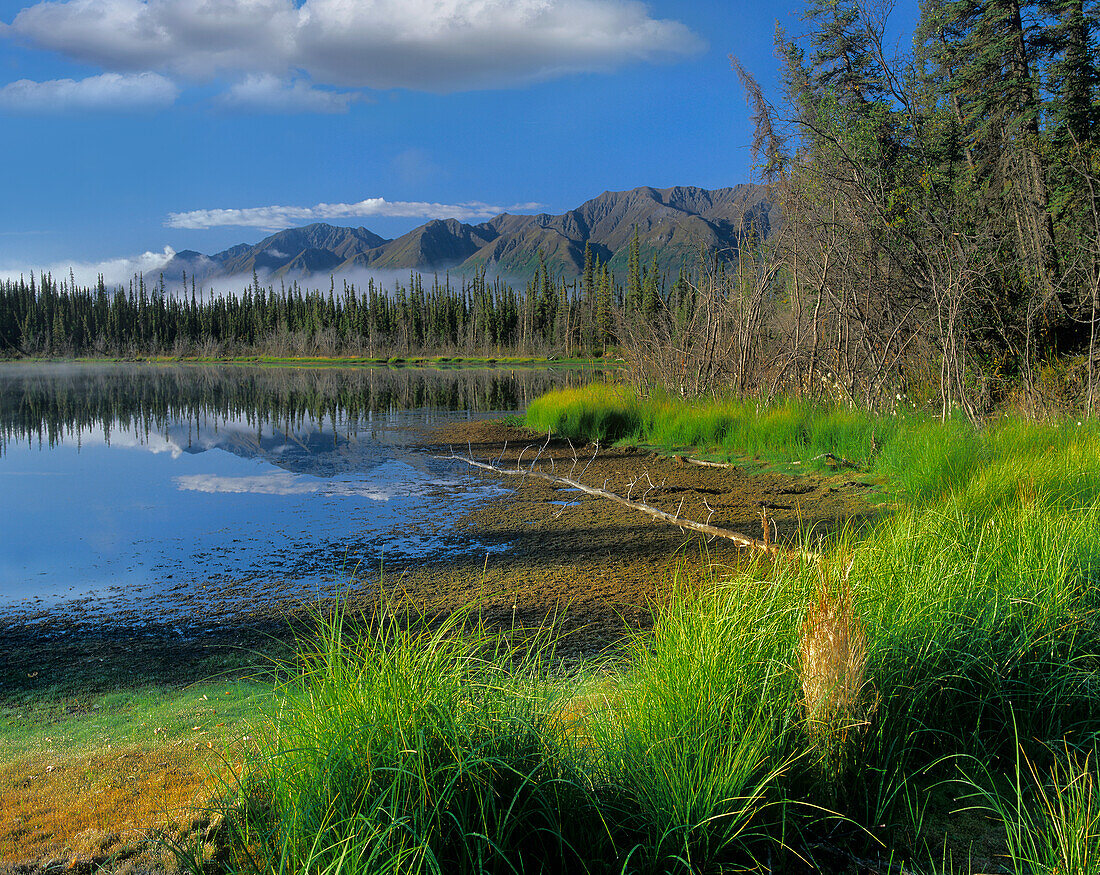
<point x="651" y="295"/>
<point x="634" y="275"/>
<point x="605" y="319"/>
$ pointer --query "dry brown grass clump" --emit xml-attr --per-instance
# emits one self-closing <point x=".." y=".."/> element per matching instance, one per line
<point x="837" y="698"/>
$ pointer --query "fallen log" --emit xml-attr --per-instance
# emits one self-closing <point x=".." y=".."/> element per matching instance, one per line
<point x="656" y="513"/>
<point x="706" y="463"/>
<point x="838" y="461"/>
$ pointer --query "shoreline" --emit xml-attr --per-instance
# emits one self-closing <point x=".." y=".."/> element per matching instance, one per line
<point x="593" y="565"/>
<point x="432" y="361"/>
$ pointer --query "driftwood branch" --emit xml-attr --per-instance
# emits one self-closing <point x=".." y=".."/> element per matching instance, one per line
<point x="688" y="460"/>
<point x="838" y="461"/>
<point x="656" y="513"/>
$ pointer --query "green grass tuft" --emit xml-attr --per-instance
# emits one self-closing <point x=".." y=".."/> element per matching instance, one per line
<point x="598" y="411"/>
<point x="400" y="750"/>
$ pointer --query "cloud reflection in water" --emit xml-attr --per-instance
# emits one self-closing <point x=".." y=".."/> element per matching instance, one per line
<point x="286" y="483"/>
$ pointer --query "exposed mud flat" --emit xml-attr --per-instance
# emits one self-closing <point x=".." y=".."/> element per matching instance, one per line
<point x="593" y="566"/>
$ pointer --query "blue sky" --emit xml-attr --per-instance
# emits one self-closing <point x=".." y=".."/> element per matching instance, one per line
<point x="134" y="125"/>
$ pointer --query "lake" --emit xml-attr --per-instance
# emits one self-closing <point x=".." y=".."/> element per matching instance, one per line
<point x="133" y="491"/>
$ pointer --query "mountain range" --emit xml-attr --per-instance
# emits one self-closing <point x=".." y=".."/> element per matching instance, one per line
<point x="672" y="223"/>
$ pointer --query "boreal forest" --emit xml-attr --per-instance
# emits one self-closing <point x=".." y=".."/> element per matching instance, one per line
<point x="939" y="239"/>
<point x="941" y="217"/>
<point x="549" y="315"/>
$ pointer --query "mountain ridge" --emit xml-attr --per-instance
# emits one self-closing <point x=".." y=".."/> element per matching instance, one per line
<point x="674" y="224"/>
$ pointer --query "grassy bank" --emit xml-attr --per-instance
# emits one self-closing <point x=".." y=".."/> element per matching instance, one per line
<point x="926" y="694"/>
<point x="921" y="459"/>
<point x="727" y="428"/>
<point x="105" y="736"/>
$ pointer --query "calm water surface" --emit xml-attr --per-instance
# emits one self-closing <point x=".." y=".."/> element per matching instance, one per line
<point x="146" y="487"/>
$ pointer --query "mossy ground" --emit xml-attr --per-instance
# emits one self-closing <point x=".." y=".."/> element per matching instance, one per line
<point x="112" y="741"/>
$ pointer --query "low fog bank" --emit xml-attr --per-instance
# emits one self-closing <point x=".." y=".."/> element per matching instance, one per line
<point x="122" y="273"/>
<point x="115" y="272"/>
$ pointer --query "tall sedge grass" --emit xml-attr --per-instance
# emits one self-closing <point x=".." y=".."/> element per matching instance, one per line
<point x="941" y="630"/>
<point x="978" y="618"/>
<point x="398" y="750"/>
<point x="446" y="750"/>
<point x="599" y="411"/>
<point x="786" y="430"/>
<point x="696" y="750"/>
<point x="1050" y="814"/>
<point x="1057" y="463"/>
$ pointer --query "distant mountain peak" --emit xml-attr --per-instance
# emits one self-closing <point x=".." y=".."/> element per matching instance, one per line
<point x="673" y="223"/>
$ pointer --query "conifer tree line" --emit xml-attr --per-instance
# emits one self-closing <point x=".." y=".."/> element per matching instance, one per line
<point x="941" y="217"/>
<point x="45" y="316"/>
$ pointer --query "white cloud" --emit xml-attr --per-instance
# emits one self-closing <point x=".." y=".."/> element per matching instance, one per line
<point x="138" y="439"/>
<point x="263" y="92"/>
<point x="115" y="271"/>
<point x="432" y="45"/>
<point x="196" y="37"/>
<point x="108" y="91"/>
<point x="274" y="218"/>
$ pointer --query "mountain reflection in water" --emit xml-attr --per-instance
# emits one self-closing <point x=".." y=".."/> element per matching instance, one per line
<point x="148" y="486"/>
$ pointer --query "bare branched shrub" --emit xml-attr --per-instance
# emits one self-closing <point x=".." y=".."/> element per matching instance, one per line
<point x="837" y="699"/>
<point x="716" y="332"/>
